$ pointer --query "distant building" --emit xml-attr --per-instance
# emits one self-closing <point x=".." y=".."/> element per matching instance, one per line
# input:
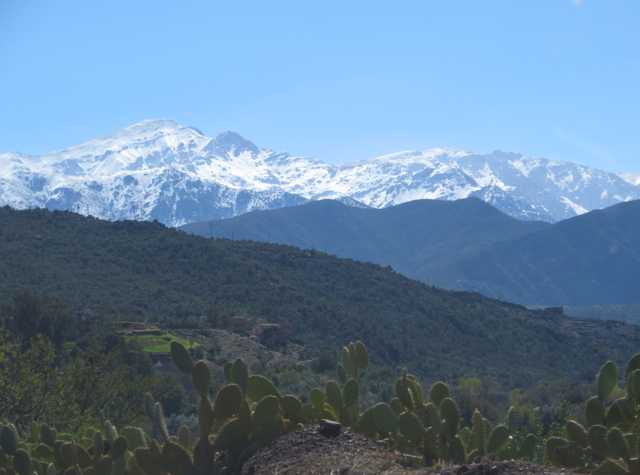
<point x="238" y="324"/>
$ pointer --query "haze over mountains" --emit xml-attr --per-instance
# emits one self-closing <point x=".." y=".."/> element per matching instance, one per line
<point x="156" y="169"/>
<point x="592" y="259"/>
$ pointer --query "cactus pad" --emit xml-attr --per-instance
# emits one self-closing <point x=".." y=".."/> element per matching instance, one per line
<point x="105" y="466"/>
<point x="402" y="392"/>
<point x="240" y="373"/>
<point x="183" y="437"/>
<point x="149" y="463"/>
<point x="451" y="415"/>
<point x="46" y="435"/>
<point x="22" y="463"/>
<point x="334" y="395"/>
<point x="291" y="406"/>
<point x="176" y="460"/>
<point x="607" y="380"/>
<point x="231" y="434"/>
<point x="433" y="417"/>
<point x="527" y="446"/>
<point x="362" y="355"/>
<point x="439" y="392"/>
<point x="227" y="402"/>
<point x="119" y="448"/>
<point x="609" y="467"/>
<point x="366" y="423"/>
<point x="553" y="444"/>
<point x="8" y="441"/>
<point x="386" y="419"/>
<point x="351" y="392"/>
<point x="205" y="417"/>
<point x="228" y="377"/>
<point x="259" y="387"/>
<point x="411" y="427"/>
<point x="43" y="451"/>
<point x="342" y="373"/>
<point x="498" y="439"/>
<point x="181" y="357"/>
<point x="478" y="429"/>
<point x="513" y="420"/>
<point x="577" y="434"/>
<point x="266" y="411"/>
<point x="201" y="378"/>
<point x="317" y="399"/>
<point x="617" y="445"/>
<point x="595" y="411"/>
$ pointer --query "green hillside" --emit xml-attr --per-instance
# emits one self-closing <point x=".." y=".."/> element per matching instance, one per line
<point x="589" y="260"/>
<point x="410" y="237"/>
<point x="623" y="313"/>
<point x="328" y="301"/>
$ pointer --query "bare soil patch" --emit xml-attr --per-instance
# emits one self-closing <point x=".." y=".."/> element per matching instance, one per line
<point x="311" y="450"/>
<point x="249" y="349"/>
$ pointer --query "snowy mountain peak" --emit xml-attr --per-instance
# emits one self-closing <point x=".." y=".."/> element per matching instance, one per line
<point x="231" y="142"/>
<point x="157" y="169"/>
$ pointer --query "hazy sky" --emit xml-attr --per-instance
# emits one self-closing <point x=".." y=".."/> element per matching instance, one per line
<point x="334" y="80"/>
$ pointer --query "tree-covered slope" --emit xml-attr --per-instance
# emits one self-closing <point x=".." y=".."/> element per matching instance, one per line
<point x="328" y="301"/>
<point x="592" y="259"/>
<point x="410" y="237"/>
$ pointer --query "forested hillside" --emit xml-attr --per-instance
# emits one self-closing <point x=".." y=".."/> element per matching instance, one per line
<point x="592" y="259"/>
<point x="328" y="301"/>
<point x="411" y="236"/>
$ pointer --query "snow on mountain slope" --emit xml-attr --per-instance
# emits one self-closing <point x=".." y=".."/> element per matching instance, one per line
<point x="156" y="169"/>
<point x="630" y="178"/>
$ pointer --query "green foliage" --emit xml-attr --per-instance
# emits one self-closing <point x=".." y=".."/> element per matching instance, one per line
<point x="248" y="413"/>
<point x="39" y="385"/>
<point x="168" y="274"/>
<point x="43" y="315"/>
<point x="614" y="430"/>
<point x="432" y="427"/>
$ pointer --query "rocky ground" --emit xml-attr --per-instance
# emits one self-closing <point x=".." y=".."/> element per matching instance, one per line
<point x="320" y="451"/>
<point x="249" y="349"/>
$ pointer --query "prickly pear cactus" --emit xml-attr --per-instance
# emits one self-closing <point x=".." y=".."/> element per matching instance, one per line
<point x="612" y="434"/>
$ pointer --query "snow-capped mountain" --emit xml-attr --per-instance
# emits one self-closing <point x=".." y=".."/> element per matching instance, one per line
<point x="156" y="169"/>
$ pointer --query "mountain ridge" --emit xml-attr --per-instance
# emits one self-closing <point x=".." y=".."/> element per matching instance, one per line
<point x="467" y="245"/>
<point x="588" y="260"/>
<point x="156" y="169"/>
<point x="409" y="236"/>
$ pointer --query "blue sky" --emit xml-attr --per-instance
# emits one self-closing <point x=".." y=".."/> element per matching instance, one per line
<point x="335" y="80"/>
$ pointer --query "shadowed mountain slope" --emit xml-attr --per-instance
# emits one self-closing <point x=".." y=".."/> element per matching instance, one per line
<point x="410" y="237"/>
<point x="592" y="259"/>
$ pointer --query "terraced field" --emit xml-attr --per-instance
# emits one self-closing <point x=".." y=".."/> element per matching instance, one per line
<point x="152" y="339"/>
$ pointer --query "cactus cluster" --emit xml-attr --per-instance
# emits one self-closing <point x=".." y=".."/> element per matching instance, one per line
<point x="248" y="413"/>
<point x="431" y="427"/>
<point x="45" y="452"/>
<point x="612" y="437"/>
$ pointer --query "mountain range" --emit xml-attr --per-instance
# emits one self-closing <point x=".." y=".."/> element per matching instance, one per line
<point x="158" y="170"/>
<point x="591" y="259"/>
